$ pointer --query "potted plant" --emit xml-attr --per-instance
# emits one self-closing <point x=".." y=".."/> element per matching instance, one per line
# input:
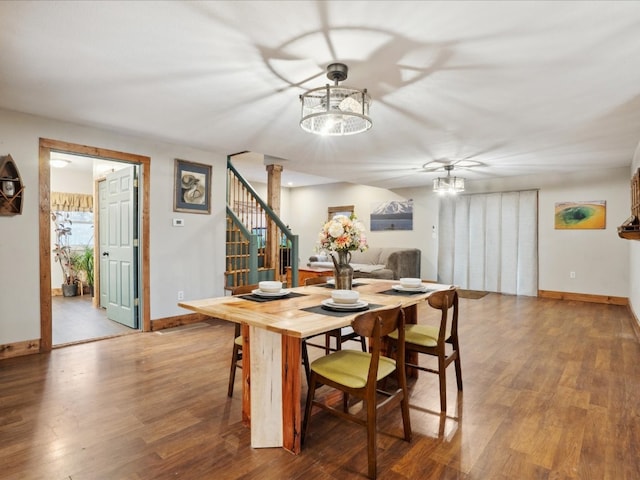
<point x="64" y="255"/>
<point x="85" y="264"/>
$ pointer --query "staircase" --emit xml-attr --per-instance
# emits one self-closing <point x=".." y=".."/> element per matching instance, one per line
<point x="259" y="246"/>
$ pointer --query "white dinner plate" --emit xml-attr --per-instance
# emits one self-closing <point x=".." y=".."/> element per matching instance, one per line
<point x="329" y="303"/>
<point x="281" y="293"/>
<point x="400" y="288"/>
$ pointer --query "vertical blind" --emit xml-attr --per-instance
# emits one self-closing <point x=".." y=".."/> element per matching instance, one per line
<point x="490" y="242"/>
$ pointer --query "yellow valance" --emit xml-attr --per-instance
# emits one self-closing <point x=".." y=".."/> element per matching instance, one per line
<point x="71" y="202"/>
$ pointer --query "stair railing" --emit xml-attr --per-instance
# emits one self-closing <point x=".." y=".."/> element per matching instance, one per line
<point x="277" y="247"/>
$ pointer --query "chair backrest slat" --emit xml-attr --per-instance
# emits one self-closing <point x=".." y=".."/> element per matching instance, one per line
<point x="444" y="300"/>
<point x="243" y="289"/>
<point x="387" y="319"/>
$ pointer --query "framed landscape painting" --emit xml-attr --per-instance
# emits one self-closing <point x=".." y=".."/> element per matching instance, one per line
<point x="392" y="215"/>
<point x="192" y="189"/>
<point x="580" y="215"/>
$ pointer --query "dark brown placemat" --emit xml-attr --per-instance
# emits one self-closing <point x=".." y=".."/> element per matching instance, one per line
<point x="256" y="298"/>
<point x="391" y="291"/>
<point x="335" y="313"/>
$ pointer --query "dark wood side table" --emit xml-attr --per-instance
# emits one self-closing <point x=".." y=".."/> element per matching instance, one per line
<point x="308" y="272"/>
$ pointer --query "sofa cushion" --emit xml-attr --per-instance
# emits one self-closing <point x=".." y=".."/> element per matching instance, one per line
<point x="380" y="262"/>
<point x="370" y="256"/>
<point x="383" y="273"/>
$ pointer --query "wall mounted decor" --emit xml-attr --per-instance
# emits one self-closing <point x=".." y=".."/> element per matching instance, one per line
<point x="192" y="190"/>
<point x="630" y="229"/>
<point x="392" y="215"/>
<point x="580" y="215"/>
<point x="11" y="188"/>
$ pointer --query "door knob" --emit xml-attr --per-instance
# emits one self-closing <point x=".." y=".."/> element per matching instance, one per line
<point x="105" y="254"/>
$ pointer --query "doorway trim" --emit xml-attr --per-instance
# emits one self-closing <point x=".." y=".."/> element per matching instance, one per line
<point x="44" y="184"/>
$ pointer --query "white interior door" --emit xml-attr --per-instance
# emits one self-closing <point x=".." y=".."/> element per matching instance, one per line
<point x="120" y="250"/>
<point x="103" y="230"/>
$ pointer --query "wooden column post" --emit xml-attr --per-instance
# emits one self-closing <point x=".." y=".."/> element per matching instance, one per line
<point x="273" y="200"/>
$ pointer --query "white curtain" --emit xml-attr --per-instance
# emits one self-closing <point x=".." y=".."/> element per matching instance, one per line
<point x="490" y="242"/>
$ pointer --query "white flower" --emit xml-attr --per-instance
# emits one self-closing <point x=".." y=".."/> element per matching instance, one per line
<point x="342" y="233"/>
<point x="335" y="229"/>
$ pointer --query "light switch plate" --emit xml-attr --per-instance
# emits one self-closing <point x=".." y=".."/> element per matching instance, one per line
<point x="178" y="222"/>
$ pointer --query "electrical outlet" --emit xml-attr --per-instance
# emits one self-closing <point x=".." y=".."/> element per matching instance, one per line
<point x="180" y="295"/>
<point x="572" y="274"/>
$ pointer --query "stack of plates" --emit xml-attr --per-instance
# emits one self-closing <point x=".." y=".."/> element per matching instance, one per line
<point x="344" y="307"/>
<point x="400" y="288"/>
<point x="281" y="293"/>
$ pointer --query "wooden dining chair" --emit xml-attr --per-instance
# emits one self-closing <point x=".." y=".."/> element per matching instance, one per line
<point x="357" y="374"/>
<point x="236" y="355"/>
<point x="341" y="335"/>
<point x="433" y="340"/>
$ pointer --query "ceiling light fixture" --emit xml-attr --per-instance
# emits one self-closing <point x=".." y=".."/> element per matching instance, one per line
<point x="448" y="184"/>
<point x="59" y="162"/>
<point x="335" y="110"/>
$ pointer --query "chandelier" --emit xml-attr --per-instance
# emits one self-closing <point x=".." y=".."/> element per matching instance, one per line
<point x="448" y="184"/>
<point x="335" y="110"/>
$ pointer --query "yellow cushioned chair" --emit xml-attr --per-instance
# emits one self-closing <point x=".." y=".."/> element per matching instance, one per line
<point x="358" y="373"/>
<point x="433" y="340"/>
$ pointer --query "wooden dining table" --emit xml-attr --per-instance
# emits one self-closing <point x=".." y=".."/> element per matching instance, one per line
<point x="272" y="331"/>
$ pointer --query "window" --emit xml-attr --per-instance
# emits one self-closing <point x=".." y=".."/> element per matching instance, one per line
<point x="81" y="228"/>
<point x="346" y="210"/>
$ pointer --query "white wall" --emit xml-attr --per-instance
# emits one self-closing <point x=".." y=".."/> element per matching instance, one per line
<point x="309" y="212"/>
<point x="599" y="257"/>
<point x="189" y="258"/>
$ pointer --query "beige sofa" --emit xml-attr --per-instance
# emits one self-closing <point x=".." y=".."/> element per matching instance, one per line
<point x="382" y="262"/>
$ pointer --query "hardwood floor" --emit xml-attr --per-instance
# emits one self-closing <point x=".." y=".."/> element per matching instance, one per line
<point x="551" y="391"/>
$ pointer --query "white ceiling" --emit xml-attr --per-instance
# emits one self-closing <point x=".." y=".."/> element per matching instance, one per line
<point x="522" y="87"/>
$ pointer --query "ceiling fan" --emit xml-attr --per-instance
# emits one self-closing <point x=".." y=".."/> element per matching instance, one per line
<point x="444" y="165"/>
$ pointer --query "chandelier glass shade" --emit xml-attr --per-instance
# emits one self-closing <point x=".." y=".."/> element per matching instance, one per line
<point x="448" y="184"/>
<point x="335" y="110"/>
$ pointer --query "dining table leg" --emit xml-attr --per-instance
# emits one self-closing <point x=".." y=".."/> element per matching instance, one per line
<point x="272" y="388"/>
<point x="291" y="410"/>
<point x="265" y="363"/>
<point x="246" y="376"/>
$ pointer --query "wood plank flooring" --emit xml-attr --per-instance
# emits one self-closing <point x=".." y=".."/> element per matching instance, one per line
<point x="551" y="391"/>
